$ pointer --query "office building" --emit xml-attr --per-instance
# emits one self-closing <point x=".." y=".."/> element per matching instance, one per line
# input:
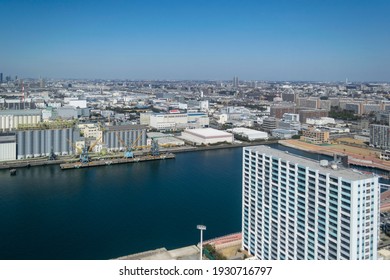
<point x="1" y="78"/>
<point x="316" y="135"/>
<point x="296" y="208"/>
<point x="270" y="124"/>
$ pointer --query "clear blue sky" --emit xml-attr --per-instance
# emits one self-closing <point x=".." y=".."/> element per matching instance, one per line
<point x="200" y="39"/>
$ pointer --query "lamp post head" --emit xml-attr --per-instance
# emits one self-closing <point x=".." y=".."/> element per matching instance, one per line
<point x="201" y="227"/>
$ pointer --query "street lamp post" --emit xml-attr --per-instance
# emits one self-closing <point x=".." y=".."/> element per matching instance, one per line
<point x="201" y="228"/>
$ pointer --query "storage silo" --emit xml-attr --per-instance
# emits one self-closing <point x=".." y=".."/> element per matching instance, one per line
<point x="21" y="147"/>
<point x="49" y="141"/>
<point x="29" y="143"/>
<point x="36" y="143"/>
<point x="63" y="136"/>
<point x="43" y="143"/>
<point x="57" y="142"/>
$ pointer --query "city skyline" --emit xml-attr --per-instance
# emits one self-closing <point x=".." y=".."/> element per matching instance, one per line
<point x="254" y="40"/>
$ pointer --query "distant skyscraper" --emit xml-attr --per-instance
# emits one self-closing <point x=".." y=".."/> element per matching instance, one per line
<point x="296" y="208"/>
<point x="41" y="83"/>
<point x="235" y="82"/>
<point x="1" y="77"/>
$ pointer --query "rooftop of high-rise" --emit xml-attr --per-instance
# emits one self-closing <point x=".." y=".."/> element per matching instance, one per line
<point x="339" y="171"/>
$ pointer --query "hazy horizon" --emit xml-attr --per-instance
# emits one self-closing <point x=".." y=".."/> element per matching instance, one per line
<point x="198" y="40"/>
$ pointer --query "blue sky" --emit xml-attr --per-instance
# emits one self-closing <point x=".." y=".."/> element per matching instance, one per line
<point x="212" y="40"/>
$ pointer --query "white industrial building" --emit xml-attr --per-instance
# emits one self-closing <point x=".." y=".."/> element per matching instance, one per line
<point x="78" y="103"/>
<point x="168" y="121"/>
<point x="320" y="121"/>
<point x="12" y="119"/>
<point x="250" y="134"/>
<point x="175" y="121"/>
<point x="7" y="146"/>
<point x="206" y="136"/>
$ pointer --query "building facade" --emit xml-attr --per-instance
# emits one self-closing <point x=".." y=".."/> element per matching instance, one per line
<point x="380" y="136"/>
<point x="278" y="110"/>
<point x="305" y="114"/>
<point x="295" y="208"/>
<point x="269" y="124"/>
<point x="178" y="121"/>
<point x="315" y="135"/>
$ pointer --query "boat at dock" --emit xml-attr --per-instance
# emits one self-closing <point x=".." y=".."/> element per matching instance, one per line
<point x="95" y="163"/>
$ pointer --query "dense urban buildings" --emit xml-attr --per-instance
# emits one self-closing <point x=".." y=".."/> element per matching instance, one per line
<point x="296" y="208"/>
<point x="293" y="208"/>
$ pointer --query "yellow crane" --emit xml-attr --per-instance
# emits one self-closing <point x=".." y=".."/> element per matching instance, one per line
<point x="94" y="144"/>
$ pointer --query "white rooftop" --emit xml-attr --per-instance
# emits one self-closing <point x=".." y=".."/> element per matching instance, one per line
<point x="345" y="173"/>
<point x="208" y="132"/>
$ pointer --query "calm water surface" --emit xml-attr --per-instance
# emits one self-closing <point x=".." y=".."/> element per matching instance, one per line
<point x="107" y="212"/>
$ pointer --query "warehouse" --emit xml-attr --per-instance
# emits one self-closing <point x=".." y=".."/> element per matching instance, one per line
<point x="164" y="140"/>
<point x="206" y="136"/>
<point x="7" y="146"/>
<point x="249" y="134"/>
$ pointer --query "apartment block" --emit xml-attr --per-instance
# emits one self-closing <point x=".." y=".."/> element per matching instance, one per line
<point x="296" y="208"/>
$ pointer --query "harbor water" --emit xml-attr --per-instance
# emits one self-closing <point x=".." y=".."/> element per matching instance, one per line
<point x="111" y="211"/>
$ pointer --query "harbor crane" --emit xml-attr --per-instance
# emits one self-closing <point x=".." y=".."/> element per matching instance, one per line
<point x="84" y="156"/>
<point x="155" y="148"/>
<point x="129" y="148"/>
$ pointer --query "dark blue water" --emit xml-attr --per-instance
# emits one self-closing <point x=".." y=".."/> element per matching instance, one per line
<point x="107" y="212"/>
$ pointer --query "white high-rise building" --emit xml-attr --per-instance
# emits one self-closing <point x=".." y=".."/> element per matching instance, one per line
<point x="235" y="82"/>
<point x="297" y="208"/>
